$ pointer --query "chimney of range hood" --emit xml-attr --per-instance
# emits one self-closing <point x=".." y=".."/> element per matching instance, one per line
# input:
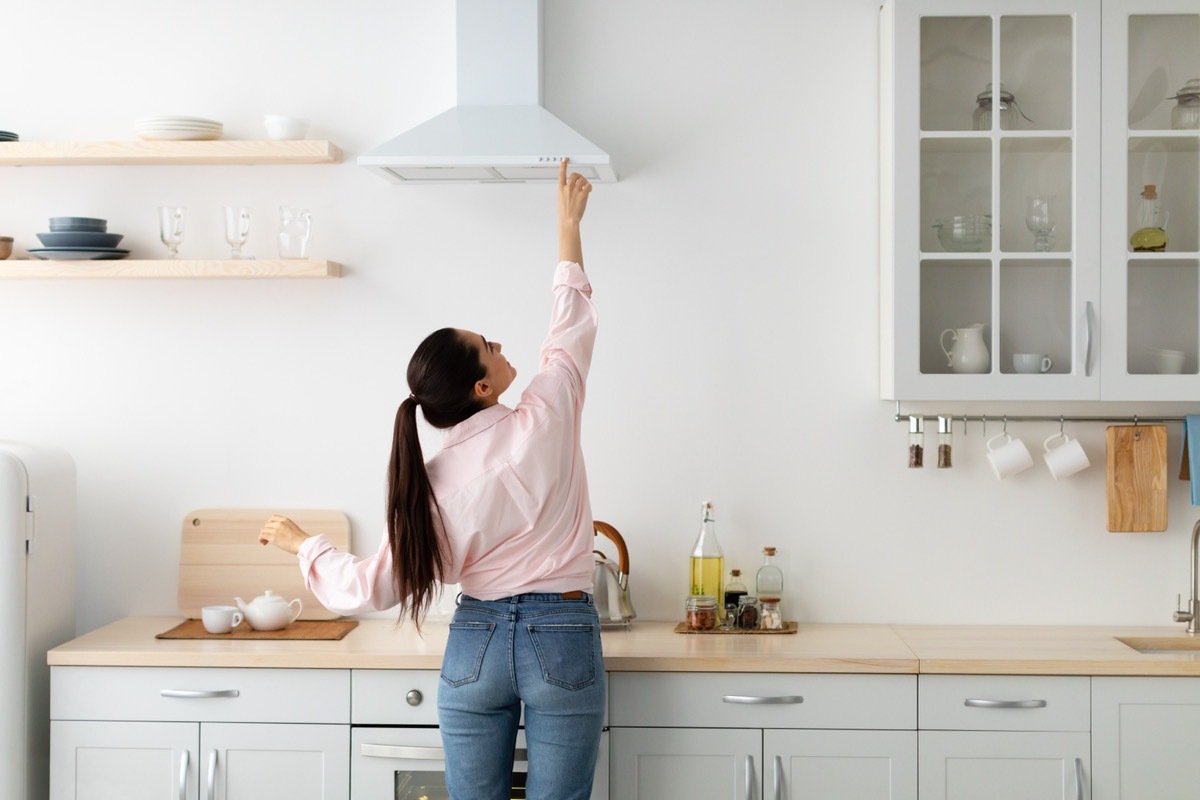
<point x="498" y="132"/>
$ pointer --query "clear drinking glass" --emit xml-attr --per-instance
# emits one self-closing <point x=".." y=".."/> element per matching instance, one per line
<point x="1039" y="218"/>
<point x="237" y="228"/>
<point x="170" y="228"/>
<point x="295" y="228"/>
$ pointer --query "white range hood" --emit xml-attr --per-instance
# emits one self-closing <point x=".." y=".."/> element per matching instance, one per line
<point x="498" y="132"/>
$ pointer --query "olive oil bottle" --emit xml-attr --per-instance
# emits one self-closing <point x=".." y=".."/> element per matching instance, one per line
<point x="1151" y="236"/>
<point x="708" y="562"/>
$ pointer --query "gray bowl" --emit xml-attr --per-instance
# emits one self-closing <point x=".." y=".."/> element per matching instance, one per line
<point x="82" y="239"/>
<point x="78" y="224"/>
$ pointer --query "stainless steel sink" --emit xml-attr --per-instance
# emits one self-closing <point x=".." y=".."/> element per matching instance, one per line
<point x="1153" y="645"/>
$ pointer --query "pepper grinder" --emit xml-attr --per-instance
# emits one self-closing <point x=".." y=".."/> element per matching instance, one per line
<point x="916" y="442"/>
<point x="945" y="441"/>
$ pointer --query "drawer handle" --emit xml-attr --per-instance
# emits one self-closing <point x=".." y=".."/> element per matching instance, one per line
<point x="193" y="693"/>
<point x="974" y="702"/>
<point x="520" y="755"/>
<point x="752" y="700"/>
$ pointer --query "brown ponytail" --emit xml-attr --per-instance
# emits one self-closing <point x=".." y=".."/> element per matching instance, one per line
<point x="441" y="376"/>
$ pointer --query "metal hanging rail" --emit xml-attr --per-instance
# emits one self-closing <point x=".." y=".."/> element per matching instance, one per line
<point x="1136" y="419"/>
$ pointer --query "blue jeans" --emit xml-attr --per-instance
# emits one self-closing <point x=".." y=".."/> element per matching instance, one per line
<point x="537" y="649"/>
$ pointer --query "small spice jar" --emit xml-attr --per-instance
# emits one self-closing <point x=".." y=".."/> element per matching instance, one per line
<point x="945" y="442"/>
<point x="771" y="618"/>
<point x="700" y="612"/>
<point x="916" y="442"/>
<point x="747" y="613"/>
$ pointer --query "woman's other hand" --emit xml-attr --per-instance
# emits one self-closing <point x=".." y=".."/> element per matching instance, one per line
<point x="573" y="194"/>
<point x="283" y="533"/>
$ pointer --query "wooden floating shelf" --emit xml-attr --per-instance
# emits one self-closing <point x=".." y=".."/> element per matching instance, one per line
<point x="217" y="152"/>
<point x="171" y="268"/>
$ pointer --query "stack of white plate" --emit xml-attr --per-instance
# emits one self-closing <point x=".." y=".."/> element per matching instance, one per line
<point x="170" y="128"/>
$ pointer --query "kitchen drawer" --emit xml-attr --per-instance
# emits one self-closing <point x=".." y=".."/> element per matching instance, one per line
<point x="755" y="700"/>
<point x="1005" y="703"/>
<point x="394" y="696"/>
<point x="200" y="694"/>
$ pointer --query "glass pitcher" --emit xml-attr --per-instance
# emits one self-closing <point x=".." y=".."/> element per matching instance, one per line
<point x="295" y="230"/>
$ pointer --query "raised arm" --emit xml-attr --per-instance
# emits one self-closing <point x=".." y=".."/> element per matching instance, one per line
<point x="572" y="202"/>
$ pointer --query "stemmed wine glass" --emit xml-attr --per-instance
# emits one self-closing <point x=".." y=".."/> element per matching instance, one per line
<point x="170" y="228"/>
<point x="1039" y="218"/>
<point x="237" y="228"/>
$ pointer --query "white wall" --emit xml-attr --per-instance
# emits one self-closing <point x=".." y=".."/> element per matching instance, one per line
<point x="734" y="265"/>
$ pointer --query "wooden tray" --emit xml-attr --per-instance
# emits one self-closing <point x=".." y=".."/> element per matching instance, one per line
<point x="788" y="627"/>
<point x="300" y="629"/>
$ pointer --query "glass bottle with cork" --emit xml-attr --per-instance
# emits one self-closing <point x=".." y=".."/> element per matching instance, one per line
<point x="1151" y="235"/>
<point x="708" y="561"/>
<point x="769" y="580"/>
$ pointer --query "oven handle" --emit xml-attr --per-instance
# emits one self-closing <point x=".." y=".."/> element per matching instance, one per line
<point x="520" y="755"/>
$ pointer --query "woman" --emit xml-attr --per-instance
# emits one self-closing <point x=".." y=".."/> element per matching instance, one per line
<point x="503" y="511"/>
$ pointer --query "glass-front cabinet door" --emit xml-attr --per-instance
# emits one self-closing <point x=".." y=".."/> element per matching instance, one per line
<point x="1150" y="235"/>
<point x="990" y="200"/>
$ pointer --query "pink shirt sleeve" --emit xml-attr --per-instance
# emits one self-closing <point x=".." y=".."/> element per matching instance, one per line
<point x="345" y="583"/>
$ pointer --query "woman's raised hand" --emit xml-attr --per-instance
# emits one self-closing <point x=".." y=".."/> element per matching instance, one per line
<point x="572" y="202"/>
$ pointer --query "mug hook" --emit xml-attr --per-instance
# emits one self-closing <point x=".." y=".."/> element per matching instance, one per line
<point x="1061" y="420"/>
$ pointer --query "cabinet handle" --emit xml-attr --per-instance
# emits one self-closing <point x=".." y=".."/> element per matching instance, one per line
<point x="1090" y="319"/>
<point x="974" y="702"/>
<point x="749" y="777"/>
<point x="520" y="755"/>
<point x="183" y="771"/>
<point x="784" y="699"/>
<point x="192" y="693"/>
<point x="778" y="777"/>
<point x="212" y="774"/>
<point x="1079" y="778"/>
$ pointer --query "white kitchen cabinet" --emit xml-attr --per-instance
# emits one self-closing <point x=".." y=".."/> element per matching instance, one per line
<point x="732" y="736"/>
<point x="989" y="737"/>
<point x="1089" y="126"/>
<point x="1145" y="736"/>
<point x="226" y="734"/>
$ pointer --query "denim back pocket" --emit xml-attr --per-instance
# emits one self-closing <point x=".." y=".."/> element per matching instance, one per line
<point x="567" y="654"/>
<point x="465" y="648"/>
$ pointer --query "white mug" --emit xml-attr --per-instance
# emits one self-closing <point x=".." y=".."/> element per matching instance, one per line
<point x="1032" y="362"/>
<point x="220" y="619"/>
<point x="1007" y="457"/>
<point x="1066" y="459"/>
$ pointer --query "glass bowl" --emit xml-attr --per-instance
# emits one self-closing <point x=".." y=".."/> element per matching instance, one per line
<point x="971" y="233"/>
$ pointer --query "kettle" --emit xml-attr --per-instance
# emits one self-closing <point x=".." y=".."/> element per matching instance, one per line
<point x="611" y="582"/>
<point x="269" y="611"/>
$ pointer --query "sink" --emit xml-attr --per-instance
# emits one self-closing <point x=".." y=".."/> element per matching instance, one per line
<point x="1152" y="645"/>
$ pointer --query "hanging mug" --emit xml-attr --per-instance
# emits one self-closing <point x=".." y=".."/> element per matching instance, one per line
<point x="968" y="354"/>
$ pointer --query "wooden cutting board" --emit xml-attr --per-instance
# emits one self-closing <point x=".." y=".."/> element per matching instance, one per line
<point x="1136" y="468"/>
<point x="220" y="558"/>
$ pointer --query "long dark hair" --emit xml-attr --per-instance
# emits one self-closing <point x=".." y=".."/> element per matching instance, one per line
<point x="441" y="378"/>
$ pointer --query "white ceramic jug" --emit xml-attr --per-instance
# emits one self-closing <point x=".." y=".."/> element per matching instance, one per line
<point x="969" y="354"/>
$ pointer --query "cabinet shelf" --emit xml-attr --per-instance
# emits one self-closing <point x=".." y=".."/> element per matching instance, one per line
<point x="134" y="152"/>
<point x="171" y="268"/>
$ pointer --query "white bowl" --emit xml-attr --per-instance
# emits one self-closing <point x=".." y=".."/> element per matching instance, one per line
<point x="281" y="127"/>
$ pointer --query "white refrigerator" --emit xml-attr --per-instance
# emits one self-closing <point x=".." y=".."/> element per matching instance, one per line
<point x="37" y="605"/>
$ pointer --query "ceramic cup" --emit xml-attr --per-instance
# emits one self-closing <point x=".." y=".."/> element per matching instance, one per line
<point x="220" y="619"/>
<point x="282" y="127"/>
<point x="1167" y="362"/>
<point x="1032" y="362"/>
<point x="1007" y="455"/>
<point x="1065" y="459"/>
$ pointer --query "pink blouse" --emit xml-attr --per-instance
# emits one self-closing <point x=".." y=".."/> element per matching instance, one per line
<point x="510" y="483"/>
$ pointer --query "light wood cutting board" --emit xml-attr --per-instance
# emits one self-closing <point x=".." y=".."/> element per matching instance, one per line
<point x="1136" y="471"/>
<point x="220" y="558"/>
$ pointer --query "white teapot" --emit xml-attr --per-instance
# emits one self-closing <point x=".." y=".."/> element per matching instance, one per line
<point x="269" y="611"/>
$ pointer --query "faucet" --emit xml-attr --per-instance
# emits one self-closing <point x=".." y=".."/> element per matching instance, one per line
<point x="1192" y="615"/>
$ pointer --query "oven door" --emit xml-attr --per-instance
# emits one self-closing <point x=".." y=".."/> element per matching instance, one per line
<point x="408" y="764"/>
